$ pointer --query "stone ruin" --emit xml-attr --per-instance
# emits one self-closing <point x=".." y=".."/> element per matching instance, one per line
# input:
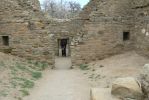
<point x="22" y="30"/>
<point x="102" y="29"/>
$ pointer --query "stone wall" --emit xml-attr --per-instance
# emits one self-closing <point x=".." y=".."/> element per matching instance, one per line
<point x="103" y="30"/>
<point x="65" y="29"/>
<point x="95" y="34"/>
<point x="104" y="24"/>
<point x="25" y="25"/>
<point x="102" y="40"/>
<point x="98" y="31"/>
<point x="141" y="27"/>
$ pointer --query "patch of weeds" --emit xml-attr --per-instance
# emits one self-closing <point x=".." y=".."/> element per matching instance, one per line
<point x="19" y="66"/>
<point x="36" y="75"/>
<point x="14" y="71"/>
<point x="14" y="84"/>
<point x="38" y="64"/>
<point x="44" y="65"/>
<point x="3" y="93"/>
<point x="23" y="68"/>
<point x="84" y="67"/>
<point x="24" y="93"/>
<point x="25" y="83"/>
<point x="41" y="65"/>
<point x="29" y="61"/>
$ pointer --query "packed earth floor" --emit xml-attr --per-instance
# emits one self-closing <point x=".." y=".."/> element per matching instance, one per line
<point x="63" y="83"/>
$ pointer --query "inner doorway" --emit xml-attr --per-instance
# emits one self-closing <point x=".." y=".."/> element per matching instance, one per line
<point x="63" y="47"/>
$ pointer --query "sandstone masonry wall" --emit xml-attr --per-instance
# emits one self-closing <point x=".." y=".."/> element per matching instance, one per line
<point x="104" y="27"/>
<point x="25" y="25"/>
<point x="98" y="31"/>
<point x="141" y="27"/>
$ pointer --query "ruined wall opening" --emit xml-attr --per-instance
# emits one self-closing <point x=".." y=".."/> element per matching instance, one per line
<point x="63" y="45"/>
<point x="5" y="40"/>
<point x="126" y="36"/>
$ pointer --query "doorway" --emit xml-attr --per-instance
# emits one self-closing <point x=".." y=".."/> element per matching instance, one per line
<point x="63" y="47"/>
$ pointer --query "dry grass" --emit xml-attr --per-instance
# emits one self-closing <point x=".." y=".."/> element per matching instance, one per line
<point x="18" y="76"/>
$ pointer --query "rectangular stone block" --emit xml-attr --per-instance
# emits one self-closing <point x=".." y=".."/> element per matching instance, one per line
<point x="102" y="94"/>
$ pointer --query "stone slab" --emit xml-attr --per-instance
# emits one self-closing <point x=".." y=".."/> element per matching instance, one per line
<point x="102" y="94"/>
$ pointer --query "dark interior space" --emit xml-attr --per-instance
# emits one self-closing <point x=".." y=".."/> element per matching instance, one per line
<point x="126" y="36"/>
<point x="5" y="40"/>
<point x="63" y="44"/>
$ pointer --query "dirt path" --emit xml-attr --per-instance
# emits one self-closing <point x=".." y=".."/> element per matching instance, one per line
<point x="61" y="84"/>
<point x="66" y="84"/>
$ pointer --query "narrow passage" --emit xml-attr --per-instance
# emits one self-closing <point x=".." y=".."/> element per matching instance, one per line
<point x="61" y="83"/>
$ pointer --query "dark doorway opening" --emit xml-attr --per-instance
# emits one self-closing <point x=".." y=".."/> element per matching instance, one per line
<point x="5" y="40"/>
<point x="63" y="45"/>
<point x="126" y="36"/>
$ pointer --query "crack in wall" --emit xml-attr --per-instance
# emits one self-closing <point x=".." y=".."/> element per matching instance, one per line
<point x="144" y="6"/>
